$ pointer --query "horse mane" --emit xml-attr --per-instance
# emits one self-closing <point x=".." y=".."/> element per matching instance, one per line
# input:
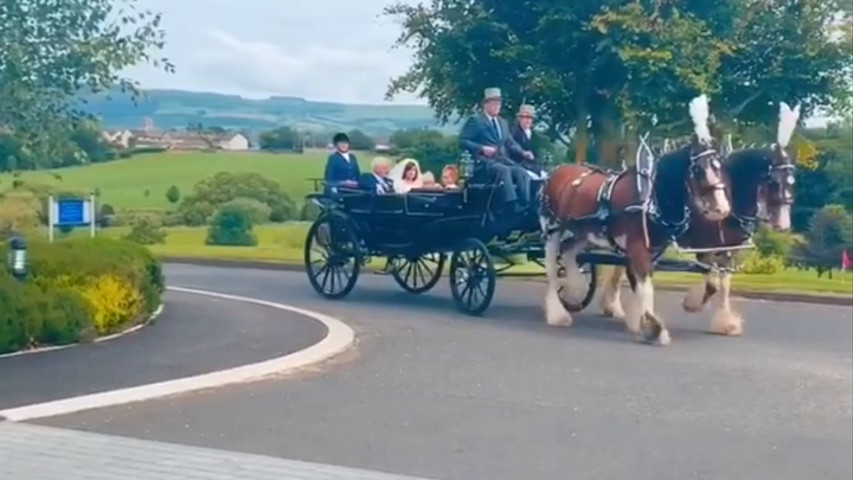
<point x="746" y="168"/>
<point x="669" y="187"/>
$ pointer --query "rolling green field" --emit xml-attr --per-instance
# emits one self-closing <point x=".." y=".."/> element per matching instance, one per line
<point x="124" y="183"/>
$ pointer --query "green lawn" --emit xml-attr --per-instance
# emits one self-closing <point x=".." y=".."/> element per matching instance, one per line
<point x="124" y="183"/>
<point x="284" y="244"/>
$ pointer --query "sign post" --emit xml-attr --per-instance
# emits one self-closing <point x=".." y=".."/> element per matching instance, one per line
<point x="71" y="212"/>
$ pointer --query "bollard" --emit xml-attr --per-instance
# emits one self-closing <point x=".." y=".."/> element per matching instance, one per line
<point x="17" y="261"/>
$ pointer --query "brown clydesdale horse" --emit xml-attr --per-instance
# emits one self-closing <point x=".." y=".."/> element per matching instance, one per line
<point x="582" y="205"/>
<point x="762" y="189"/>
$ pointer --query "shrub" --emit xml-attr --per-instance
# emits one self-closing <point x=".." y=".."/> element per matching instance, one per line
<point x="30" y="316"/>
<point x="19" y="211"/>
<point x="309" y="212"/>
<point x="173" y="220"/>
<point x="114" y="301"/>
<point x="210" y="194"/>
<point x="258" y="212"/>
<point x="231" y="226"/>
<point x="146" y="230"/>
<point x="106" y="215"/>
<point x="73" y="263"/>
<point x="173" y="194"/>
<point x="769" y="243"/>
<point x="756" y="264"/>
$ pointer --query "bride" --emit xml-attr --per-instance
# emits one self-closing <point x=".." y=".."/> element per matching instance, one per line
<point x="406" y="176"/>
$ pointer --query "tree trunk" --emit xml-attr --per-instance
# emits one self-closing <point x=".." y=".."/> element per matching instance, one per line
<point x="581" y="142"/>
<point x="608" y="138"/>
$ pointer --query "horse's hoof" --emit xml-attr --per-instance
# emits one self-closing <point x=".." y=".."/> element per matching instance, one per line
<point x="727" y="323"/>
<point x="560" y="321"/>
<point x="651" y="332"/>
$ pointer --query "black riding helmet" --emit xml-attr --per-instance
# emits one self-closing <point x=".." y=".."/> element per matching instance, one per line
<point x="340" y="137"/>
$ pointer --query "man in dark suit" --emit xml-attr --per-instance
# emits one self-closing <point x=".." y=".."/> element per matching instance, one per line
<point x="522" y="132"/>
<point x="487" y="137"/>
<point x="342" y="166"/>
<point x="377" y="180"/>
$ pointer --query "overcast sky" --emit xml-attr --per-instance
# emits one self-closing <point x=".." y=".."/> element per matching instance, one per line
<point x="338" y="50"/>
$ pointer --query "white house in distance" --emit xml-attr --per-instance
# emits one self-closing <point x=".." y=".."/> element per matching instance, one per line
<point x="177" y="140"/>
<point x="236" y="141"/>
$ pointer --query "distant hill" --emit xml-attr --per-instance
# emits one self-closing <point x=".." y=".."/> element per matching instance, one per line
<point x="177" y="108"/>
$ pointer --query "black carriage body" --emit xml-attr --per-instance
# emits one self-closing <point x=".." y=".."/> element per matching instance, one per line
<point x="417" y="223"/>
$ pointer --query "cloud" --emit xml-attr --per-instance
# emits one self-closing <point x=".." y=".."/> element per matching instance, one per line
<point x="332" y="50"/>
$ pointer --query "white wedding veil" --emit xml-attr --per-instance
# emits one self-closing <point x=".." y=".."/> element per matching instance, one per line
<point x="396" y="175"/>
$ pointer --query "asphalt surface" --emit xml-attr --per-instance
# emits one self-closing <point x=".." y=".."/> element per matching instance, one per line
<point x="433" y="393"/>
<point x="195" y="334"/>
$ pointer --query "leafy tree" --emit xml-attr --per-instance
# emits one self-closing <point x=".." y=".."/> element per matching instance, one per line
<point x="623" y="65"/>
<point x="432" y="149"/>
<point x="359" y="140"/>
<point x="79" y="46"/>
<point x="211" y="193"/>
<point x="173" y="194"/>
<point x="830" y="234"/>
<point x="231" y="226"/>
<point x="281" y="138"/>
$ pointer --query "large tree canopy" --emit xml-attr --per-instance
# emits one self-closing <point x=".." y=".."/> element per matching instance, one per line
<point x="54" y="50"/>
<point x="595" y="68"/>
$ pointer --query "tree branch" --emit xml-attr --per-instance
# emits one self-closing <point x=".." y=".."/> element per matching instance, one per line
<point x="733" y="113"/>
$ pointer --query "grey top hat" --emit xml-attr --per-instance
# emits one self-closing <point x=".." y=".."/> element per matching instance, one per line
<point x="492" y="94"/>
<point x="527" y="111"/>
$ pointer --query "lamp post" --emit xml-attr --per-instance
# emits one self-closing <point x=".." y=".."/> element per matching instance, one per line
<point x="548" y="162"/>
<point x="466" y="165"/>
<point x="18" y="258"/>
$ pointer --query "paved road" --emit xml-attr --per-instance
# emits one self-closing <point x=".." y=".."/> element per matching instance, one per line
<point x="194" y="335"/>
<point x="436" y="394"/>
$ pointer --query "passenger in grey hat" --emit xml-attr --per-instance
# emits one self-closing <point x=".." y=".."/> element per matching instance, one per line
<point x="487" y="137"/>
<point x="523" y="133"/>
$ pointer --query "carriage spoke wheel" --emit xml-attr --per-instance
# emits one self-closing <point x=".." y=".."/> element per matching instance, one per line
<point x="418" y="274"/>
<point x="332" y="256"/>
<point x="579" y="296"/>
<point x="472" y="277"/>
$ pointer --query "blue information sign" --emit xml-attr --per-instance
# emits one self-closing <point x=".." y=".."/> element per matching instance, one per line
<point x="72" y="212"/>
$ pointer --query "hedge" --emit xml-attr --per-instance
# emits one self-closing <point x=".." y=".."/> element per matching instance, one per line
<point x="77" y="287"/>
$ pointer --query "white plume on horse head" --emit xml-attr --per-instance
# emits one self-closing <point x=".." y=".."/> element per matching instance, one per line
<point x="699" y="113"/>
<point x="787" y="123"/>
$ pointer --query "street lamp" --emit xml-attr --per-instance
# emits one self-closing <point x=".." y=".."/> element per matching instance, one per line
<point x="548" y="162"/>
<point x="466" y="165"/>
<point x="18" y="258"/>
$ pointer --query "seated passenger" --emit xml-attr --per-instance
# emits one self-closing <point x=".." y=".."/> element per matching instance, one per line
<point x="450" y="177"/>
<point x="342" y="166"/>
<point x="406" y="175"/>
<point x="378" y="181"/>
<point x="429" y="182"/>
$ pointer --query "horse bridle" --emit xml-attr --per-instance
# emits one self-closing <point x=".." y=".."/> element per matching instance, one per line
<point x="695" y="170"/>
<point x="749" y="223"/>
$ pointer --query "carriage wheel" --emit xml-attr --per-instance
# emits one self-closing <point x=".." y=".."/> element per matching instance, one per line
<point x="580" y="297"/>
<point x="332" y="256"/>
<point x="472" y="277"/>
<point x="420" y="274"/>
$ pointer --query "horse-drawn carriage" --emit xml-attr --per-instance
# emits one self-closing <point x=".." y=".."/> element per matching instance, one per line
<point x="587" y="217"/>
<point x="418" y="231"/>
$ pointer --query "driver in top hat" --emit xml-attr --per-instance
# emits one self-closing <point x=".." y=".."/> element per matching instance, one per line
<point x="342" y="166"/>
<point x="487" y="137"/>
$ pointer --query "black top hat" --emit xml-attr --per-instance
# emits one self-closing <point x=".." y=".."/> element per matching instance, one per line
<point x="340" y="137"/>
